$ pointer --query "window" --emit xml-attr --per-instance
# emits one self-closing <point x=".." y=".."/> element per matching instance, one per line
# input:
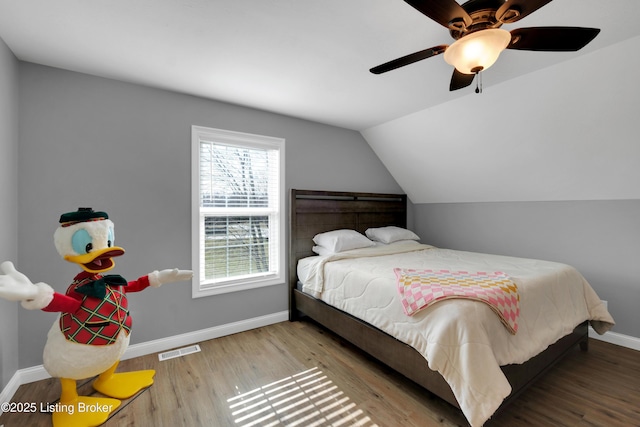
<point x="237" y="211"/>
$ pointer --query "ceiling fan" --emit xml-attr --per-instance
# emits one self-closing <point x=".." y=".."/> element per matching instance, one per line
<point x="475" y="25"/>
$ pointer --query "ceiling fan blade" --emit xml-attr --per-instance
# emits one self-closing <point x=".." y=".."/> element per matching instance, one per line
<point x="552" y="39"/>
<point x="460" y="80"/>
<point x="409" y="59"/>
<point x="442" y="11"/>
<point x="514" y="10"/>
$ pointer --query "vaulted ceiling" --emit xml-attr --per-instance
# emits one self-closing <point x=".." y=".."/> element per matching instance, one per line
<point x="303" y="58"/>
<point x="310" y="59"/>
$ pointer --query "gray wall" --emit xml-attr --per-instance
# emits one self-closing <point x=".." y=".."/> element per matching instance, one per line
<point x="599" y="238"/>
<point x="8" y="205"/>
<point x="125" y="149"/>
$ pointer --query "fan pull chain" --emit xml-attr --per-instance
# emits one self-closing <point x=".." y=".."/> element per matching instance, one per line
<point x="479" y="82"/>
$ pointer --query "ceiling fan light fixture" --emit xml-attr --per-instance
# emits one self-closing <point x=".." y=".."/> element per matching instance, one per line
<point x="477" y="51"/>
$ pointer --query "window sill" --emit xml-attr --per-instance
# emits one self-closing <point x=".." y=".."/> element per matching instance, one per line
<point x="199" y="290"/>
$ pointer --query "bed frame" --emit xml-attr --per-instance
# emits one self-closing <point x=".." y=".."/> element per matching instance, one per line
<point x="314" y="212"/>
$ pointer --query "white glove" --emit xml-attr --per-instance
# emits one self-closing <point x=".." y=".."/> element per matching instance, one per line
<point x="159" y="278"/>
<point x="15" y="286"/>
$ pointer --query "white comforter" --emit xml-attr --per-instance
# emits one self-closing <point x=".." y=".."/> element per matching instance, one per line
<point x="461" y="339"/>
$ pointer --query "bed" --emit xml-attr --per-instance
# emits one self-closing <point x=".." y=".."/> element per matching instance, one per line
<point x="314" y="212"/>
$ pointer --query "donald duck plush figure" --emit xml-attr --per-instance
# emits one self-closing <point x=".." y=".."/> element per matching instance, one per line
<point x="92" y="331"/>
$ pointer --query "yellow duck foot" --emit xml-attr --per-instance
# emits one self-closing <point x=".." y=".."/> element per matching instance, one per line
<point x="84" y="411"/>
<point x="123" y="385"/>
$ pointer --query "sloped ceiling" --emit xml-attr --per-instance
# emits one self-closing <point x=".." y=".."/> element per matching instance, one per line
<point x="304" y="58"/>
<point x="567" y="132"/>
<point x="310" y="59"/>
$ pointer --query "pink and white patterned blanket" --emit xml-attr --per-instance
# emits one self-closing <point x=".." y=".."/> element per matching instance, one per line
<point x="421" y="288"/>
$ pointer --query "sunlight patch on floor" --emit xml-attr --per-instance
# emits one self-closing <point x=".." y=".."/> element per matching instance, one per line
<point x="307" y="399"/>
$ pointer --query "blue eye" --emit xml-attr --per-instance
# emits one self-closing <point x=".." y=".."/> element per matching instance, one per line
<point x="82" y="242"/>
<point x="110" y="238"/>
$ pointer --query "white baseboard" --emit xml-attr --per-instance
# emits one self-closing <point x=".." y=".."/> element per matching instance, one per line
<point x="37" y="373"/>
<point x="32" y="374"/>
<point x="155" y="346"/>
<point x="7" y="393"/>
<point x="617" y="339"/>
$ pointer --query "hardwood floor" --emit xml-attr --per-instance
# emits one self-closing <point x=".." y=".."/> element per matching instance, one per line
<point x="296" y="373"/>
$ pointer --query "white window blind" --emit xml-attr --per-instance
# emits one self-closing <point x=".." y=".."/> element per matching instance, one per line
<point x="240" y="215"/>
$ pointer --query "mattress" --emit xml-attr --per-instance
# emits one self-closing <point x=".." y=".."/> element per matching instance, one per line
<point x="461" y="339"/>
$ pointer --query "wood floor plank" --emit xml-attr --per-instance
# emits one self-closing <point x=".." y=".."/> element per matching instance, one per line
<point x="299" y="374"/>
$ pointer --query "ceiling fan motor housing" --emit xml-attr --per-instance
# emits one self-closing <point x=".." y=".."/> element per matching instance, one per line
<point x="483" y="15"/>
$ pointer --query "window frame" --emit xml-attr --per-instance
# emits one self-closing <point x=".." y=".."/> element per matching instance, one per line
<point x="239" y="283"/>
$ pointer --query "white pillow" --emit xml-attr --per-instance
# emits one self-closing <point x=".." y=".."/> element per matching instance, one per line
<point x="342" y="240"/>
<point x="390" y="234"/>
<point x="321" y="250"/>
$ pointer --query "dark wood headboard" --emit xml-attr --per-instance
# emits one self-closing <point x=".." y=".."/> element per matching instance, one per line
<point x="314" y="212"/>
